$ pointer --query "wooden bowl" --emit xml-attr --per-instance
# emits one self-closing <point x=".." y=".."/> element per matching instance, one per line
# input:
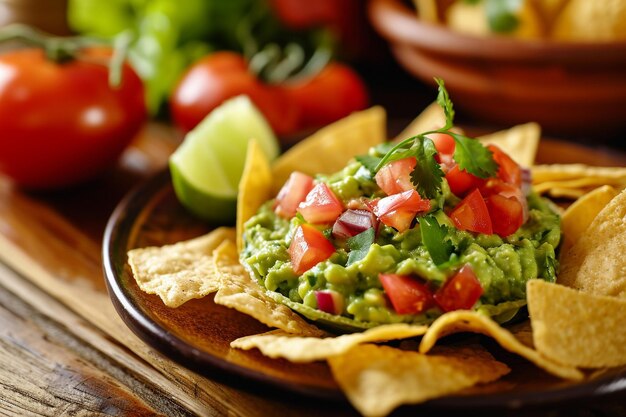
<point x="567" y="87"/>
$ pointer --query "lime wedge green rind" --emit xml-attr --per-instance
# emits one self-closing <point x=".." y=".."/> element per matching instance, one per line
<point x="207" y="166"/>
<point x="212" y="208"/>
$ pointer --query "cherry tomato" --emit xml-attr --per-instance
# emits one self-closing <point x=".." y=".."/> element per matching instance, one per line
<point x="61" y="123"/>
<point x="308" y="248"/>
<point x="223" y="75"/>
<point x="407" y="294"/>
<point x="506" y="214"/>
<point x="472" y="214"/>
<point x="292" y="194"/>
<point x="399" y="210"/>
<point x="321" y="205"/>
<point x="460" y="292"/>
<point x="395" y="176"/>
<point x="332" y="94"/>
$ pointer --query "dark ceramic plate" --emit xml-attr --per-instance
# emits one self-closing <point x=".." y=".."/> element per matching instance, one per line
<point x="198" y="333"/>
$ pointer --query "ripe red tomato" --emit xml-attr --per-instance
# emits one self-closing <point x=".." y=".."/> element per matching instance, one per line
<point x="332" y="94"/>
<point x="292" y="194"/>
<point x="308" y="248"/>
<point x="395" y="177"/>
<point x="321" y="205"/>
<point x="461" y="181"/>
<point x="509" y="171"/>
<point x="399" y="210"/>
<point x="223" y="75"/>
<point x="460" y="292"/>
<point x="407" y="294"/>
<point x="472" y="214"/>
<point x="61" y="123"/>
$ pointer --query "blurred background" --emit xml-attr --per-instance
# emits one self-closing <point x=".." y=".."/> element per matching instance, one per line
<point x="307" y="63"/>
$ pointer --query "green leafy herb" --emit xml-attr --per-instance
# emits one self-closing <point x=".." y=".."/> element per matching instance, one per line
<point x="359" y="245"/>
<point x="473" y="157"/>
<point x="502" y="14"/>
<point x="443" y="99"/>
<point x="434" y="238"/>
<point x="427" y="174"/>
<point x="369" y="161"/>
<point x="469" y="153"/>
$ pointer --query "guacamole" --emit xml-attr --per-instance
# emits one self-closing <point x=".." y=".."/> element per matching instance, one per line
<point x="353" y="271"/>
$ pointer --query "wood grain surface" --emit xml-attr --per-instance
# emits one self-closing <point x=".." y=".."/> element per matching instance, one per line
<point x="63" y="348"/>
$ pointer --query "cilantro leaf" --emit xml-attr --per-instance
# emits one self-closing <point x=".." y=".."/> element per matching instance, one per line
<point x="369" y="162"/>
<point x="473" y="157"/>
<point x="502" y="14"/>
<point x="427" y="174"/>
<point x="434" y="238"/>
<point x="359" y="245"/>
<point x="443" y="99"/>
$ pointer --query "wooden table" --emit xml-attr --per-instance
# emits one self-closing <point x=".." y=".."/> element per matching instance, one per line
<point x="63" y="348"/>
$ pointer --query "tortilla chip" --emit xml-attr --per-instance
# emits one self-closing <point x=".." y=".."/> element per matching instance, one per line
<point x="596" y="263"/>
<point x="237" y="290"/>
<point x="330" y="148"/>
<point x="558" y="172"/>
<point x="576" y="328"/>
<point x="432" y="117"/>
<point x="568" y="193"/>
<point x="519" y="142"/>
<point x="254" y="187"/>
<point x="309" y="349"/>
<point x="574" y="183"/>
<point x="579" y="215"/>
<point x="377" y="379"/>
<point x="180" y="272"/>
<point x="470" y="321"/>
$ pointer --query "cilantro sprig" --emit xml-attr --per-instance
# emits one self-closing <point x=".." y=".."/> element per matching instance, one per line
<point x="469" y="153"/>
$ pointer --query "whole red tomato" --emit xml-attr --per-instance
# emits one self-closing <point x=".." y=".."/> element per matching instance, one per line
<point x="332" y="94"/>
<point x="220" y="76"/>
<point x="61" y="123"/>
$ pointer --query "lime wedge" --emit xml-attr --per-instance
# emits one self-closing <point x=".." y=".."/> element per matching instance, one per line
<point x="207" y="166"/>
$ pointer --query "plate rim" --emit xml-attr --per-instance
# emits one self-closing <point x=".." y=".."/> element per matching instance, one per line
<point x="239" y="376"/>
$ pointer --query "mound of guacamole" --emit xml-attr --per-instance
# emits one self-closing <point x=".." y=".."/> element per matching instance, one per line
<point x="352" y="272"/>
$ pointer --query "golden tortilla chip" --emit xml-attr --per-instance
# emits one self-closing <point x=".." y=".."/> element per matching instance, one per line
<point x="237" y="290"/>
<point x="581" y="213"/>
<point x="575" y="328"/>
<point x="568" y="193"/>
<point x="470" y="321"/>
<point x="254" y="187"/>
<point x="519" y="142"/>
<point x="432" y="117"/>
<point x="574" y="184"/>
<point x="180" y="272"/>
<point x="377" y="379"/>
<point x="329" y="149"/>
<point x="309" y="349"/>
<point x="559" y="172"/>
<point x="596" y="263"/>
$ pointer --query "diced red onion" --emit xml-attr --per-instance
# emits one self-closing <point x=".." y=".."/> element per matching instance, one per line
<point x="329" y="301"/>
<point x="527" y="180"/>
<point x="352" y="222"/>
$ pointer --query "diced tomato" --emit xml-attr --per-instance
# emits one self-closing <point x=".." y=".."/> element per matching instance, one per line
<point x="330" y="301"/>
<point x="352" y="222"/>
<point x="506" y="214"/>
<point x="444" y="143"/>
<point x="472" y="214"/>
<point x="461" y="182"/>
<point x="395" y="177"/>
<point x="321" y="205"/>
<point x="509" y="171"/>
<point x="399" y="210"/>
<point x="308" y="248"/>
<point x="407" y="294"/>
<point x="460" y="292"/>
<point x="497" y="186"/>
<point x="292" y="194"/>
